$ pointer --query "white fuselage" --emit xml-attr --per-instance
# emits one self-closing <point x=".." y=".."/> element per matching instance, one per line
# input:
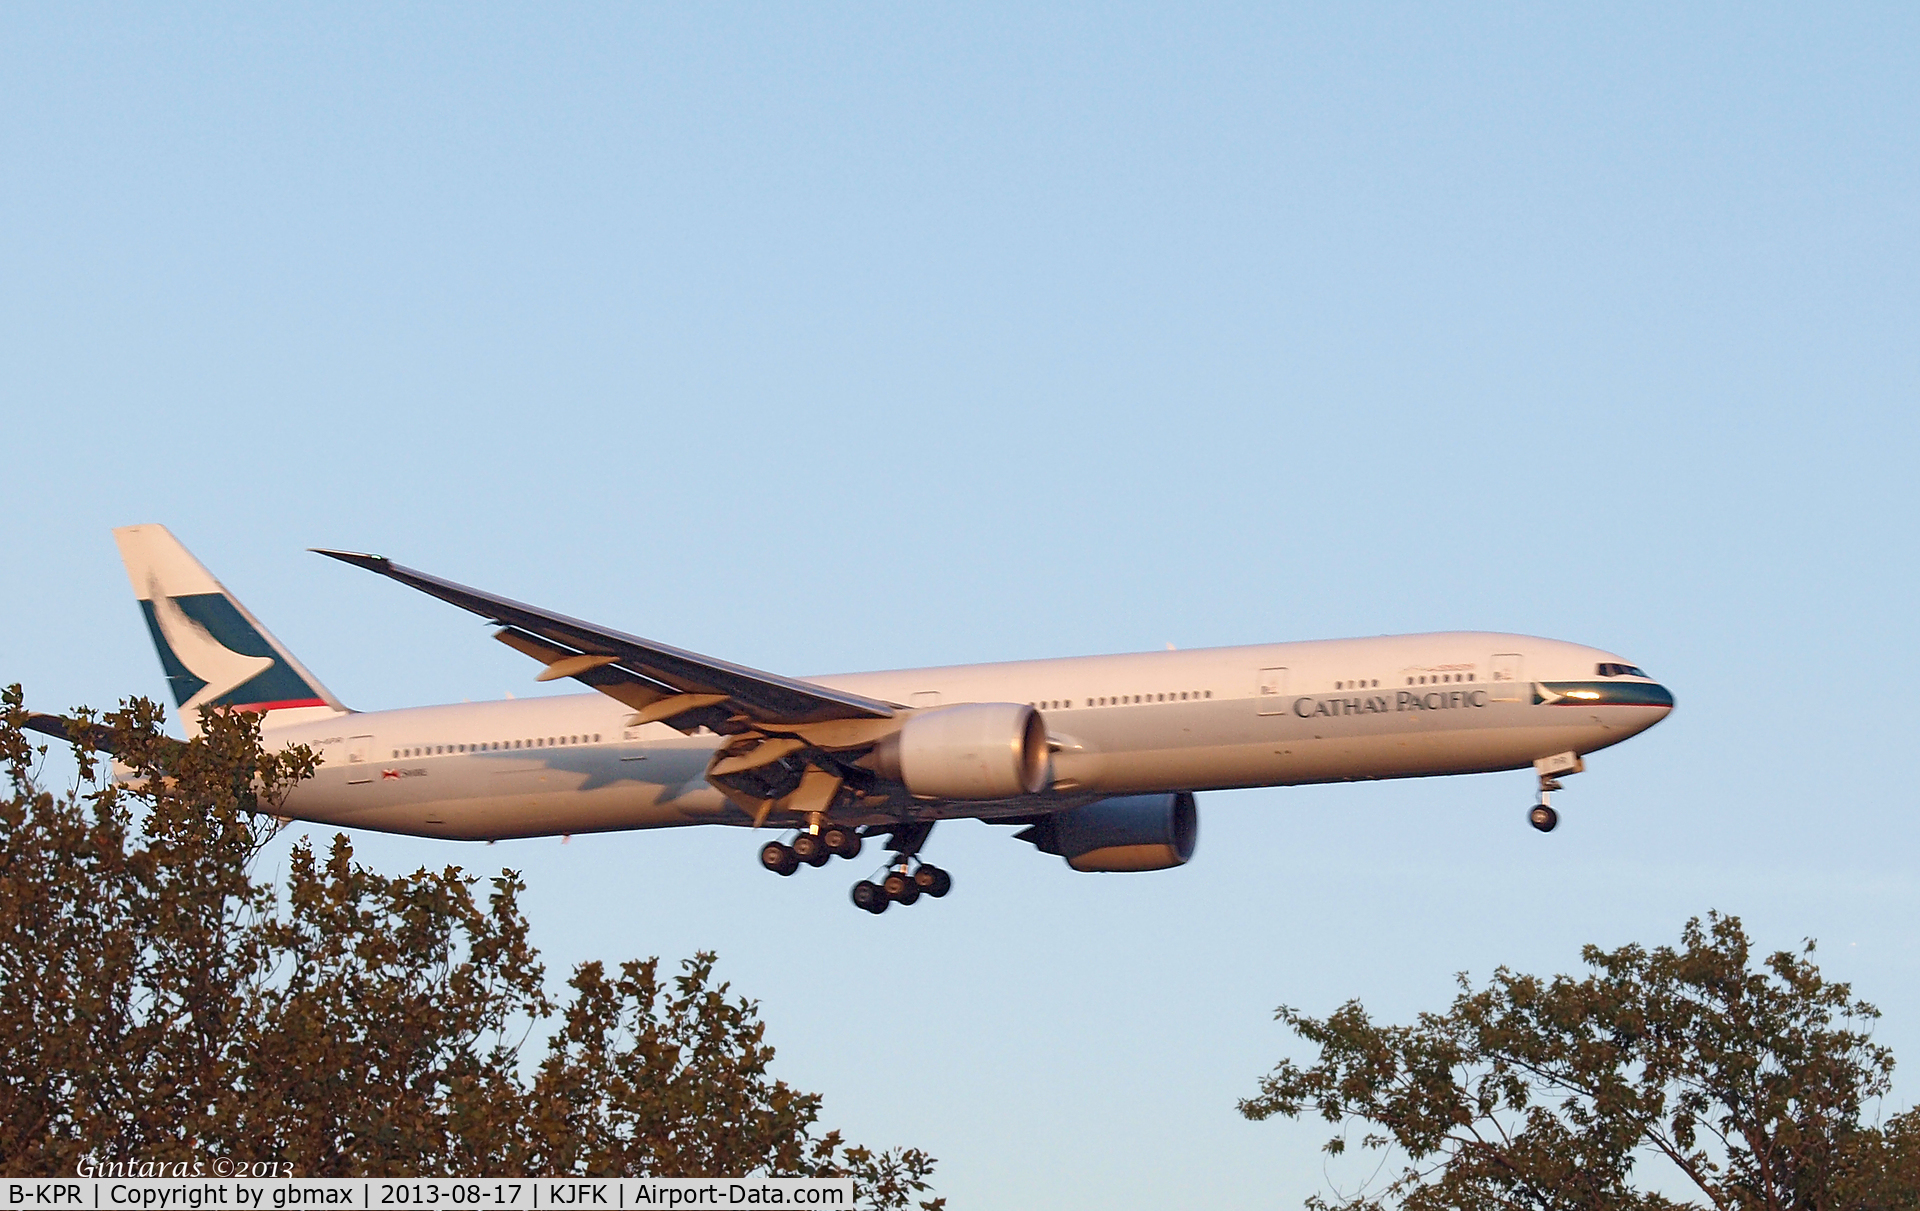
<point x="1265" y="715"/>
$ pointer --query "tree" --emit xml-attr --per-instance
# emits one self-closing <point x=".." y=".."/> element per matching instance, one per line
<point x="157" y="1003"/>
<point x="383" y="1040"/>
<point x="1753" y="1083"/>
<point x="124" y="960"/>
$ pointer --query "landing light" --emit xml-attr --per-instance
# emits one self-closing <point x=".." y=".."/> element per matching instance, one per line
<point x="1593" y="694"/>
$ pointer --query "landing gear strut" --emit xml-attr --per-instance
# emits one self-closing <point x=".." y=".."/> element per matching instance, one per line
<point x="906" y="878"/>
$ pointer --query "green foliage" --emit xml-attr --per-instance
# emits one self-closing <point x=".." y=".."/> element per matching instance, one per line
<point x="381" y="1043"/>
<point x="1753" y="1083"/>
<point x="639" y="1066"/>
<point x="124" y="959"/>
<point x="159" y="1004"/>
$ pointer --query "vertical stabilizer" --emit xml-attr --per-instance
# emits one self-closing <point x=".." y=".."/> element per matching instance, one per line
<point x="213" y="651"/>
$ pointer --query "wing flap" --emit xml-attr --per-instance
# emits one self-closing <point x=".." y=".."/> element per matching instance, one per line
<point x="597" y="671"/>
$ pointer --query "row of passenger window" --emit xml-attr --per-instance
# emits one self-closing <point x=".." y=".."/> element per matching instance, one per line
<point x="441" y="750"/>
<point x="1363" y="683"/>
<point x="1062" y="704"/>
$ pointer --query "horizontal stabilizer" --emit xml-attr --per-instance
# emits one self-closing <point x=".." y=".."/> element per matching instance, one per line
<point x="96" y="736"/>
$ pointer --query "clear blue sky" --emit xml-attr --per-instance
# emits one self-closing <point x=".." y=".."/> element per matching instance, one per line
<point x="861" y="337"/>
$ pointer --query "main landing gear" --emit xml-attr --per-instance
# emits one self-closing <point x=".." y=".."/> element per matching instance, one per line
<point x="1543" y="817"/>
<point x="906" y="878"/>
<point x="814" y="846"/>
<point x="903" y="880"/>
<point x="904" y="883"/>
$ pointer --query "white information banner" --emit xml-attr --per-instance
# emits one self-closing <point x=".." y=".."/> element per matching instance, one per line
<point x="436" y="1193"/>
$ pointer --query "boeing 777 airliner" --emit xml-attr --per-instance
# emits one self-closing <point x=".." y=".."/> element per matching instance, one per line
<point x="1099" y="757"/>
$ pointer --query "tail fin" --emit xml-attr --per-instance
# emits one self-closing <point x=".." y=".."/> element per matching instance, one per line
<point x="213" y="651"/>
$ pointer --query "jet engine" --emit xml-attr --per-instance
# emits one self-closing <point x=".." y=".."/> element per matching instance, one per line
<point x="1133" y="832"/>
<point x="971" y="750"/>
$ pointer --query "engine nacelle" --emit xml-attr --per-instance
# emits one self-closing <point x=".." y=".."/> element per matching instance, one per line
<point x="1133" y="832"/>
<point x="970" y="750"/>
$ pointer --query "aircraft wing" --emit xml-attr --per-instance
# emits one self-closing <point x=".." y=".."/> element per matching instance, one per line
<point x="661" y="683"/>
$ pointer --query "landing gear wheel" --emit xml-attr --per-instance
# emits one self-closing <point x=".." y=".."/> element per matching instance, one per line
<point x="870" y="896"/>
<point x="841" y="842"/>
<point x="778" y="858"/>
<point x="1544" y="818"/>
<point x="809" y="848"/>
<point x="899" y="886"/>
<point x="933" y="881"/>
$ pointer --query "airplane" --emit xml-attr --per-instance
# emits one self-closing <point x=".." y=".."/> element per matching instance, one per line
<point x="1097" y="758"/>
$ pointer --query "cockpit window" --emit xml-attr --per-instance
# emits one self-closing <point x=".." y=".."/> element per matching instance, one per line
<point x="1619" y="670"/>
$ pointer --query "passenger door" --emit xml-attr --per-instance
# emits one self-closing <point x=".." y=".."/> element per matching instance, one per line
<point x="1506" y="677"/>
<point x="1271" y="692"/>
<point x="359" y="760"/>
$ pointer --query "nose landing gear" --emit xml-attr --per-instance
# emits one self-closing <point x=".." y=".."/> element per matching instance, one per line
<point x="1543" y="817"/>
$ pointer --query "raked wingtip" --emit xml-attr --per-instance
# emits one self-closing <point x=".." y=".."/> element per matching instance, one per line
<point x="372" y="563"/>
